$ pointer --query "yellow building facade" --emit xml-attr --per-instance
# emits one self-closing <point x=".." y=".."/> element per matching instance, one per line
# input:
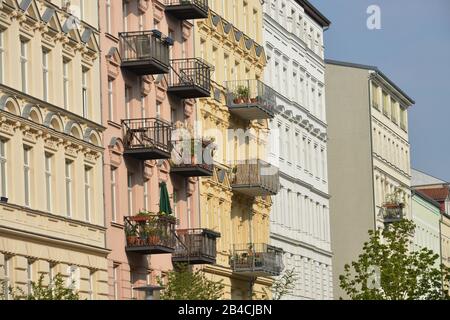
<point x="51" y="210"/>
<point x="236" y="201"/>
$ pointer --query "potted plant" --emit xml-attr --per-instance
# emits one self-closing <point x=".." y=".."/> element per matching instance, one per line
<point x="153" y="235"/>
<point x="142" y="216"/>
<point x="241" y="95"/>
<point x="131" y="234"/>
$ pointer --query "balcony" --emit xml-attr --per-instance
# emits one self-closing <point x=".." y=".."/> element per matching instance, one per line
<point x="193" y="158"/>
<point x="145" y="52"/>
<point x="250" y="99"/>
<point x="257" y="260"/>
<point x="147" y="139"/>
<point x="150" y="234"/>
<point x="392" y="212"/>
<point x="255" y="178"/>
<point x="187" y="9"/>
<point x="196" y="246"/>
<point x="190" y="78"/>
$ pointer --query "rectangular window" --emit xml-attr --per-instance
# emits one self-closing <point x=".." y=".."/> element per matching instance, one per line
<point x="68" y="172"/>
<point x="108" y="16"/>
<point x="84" y="92"/>
<point x="45" y="54"/>
<point x="91" y="288"/>
<point x="141" y="21"/>
<point x="130" y="193"/>
<point x="29" y="277"/>
<point x="158" y="110"/>
<point x="2" y="55"/>
<point x="143" y="112"/>
<point x="27" y="175"/>
<point x="88" y="192"/>
<point x="146" y="207"/>
<point x="3" y="162"/>
<point x="386" y="101"/>
<point x="66" y="84"/>
<point x="394" y="111"/>
<point x="7" y="276"/>
<point x="111" y="99"/>
<point x="125" y="15"/>
<point x="24" y="64"/>
<point x="127" y="102"/>
<point x="48" y="180"/>
<point x="116" y="281"/>
<point x="113" y="194"/>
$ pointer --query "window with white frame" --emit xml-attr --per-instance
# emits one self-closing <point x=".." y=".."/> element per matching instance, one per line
<point x="113" y="194"/>
<point x="3" y="171"/>
<point x="116" y="281"/>
<point x="24" y="64"/>
<point x="85" y="91"/>
<point x="111" y="99"/>
<point x="143" y="111"/>
<point x="48" y="181"/>
<point x="45" y="54"/>
<point x="130" y="193"/>
<point x="6" y="277"/>
<point x="66" y="83"/>
<point x="82" y="13"/>
<point x="91" y="285"/>
<point x="29" y="276"/>
<point x="125" y="15"/>
<point x="146" y="195"/>
<point x="69" y="182"/>
<point x="88" y="192"/>
<point x="158" y="110"/>
<point x="141" y="21"/>
<point x="127" y="102"/>
<point x="27" y="175"/>
<point x="2" y="55"/>
<point x="108" y="16"/>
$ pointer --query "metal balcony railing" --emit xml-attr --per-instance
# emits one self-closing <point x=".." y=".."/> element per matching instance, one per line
<point x="196" y="246"/>
<point x="145" y="52"/>
<point x="190" y="78"/>
<point x="193" y="158"/>
<point x="188" y="9"/>
<point x="150" y="234"/>
<point x="256" y="178"/>
<point x="147" y="139"/>
<point x="257" y="260"/>
<point x="393" y="212"/>
<point x="250" y="99"/>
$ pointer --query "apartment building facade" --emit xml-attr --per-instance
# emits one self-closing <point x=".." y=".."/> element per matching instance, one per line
<point x="150" y="79"/>
<point x="368" y="157"/>
<point x="51" y="210"/>
<point x="300" y="218"/>
<point x="236" y="200"/>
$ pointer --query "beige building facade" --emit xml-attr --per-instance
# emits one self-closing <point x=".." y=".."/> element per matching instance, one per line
<point x="51" y="211"/>
<point x="368" y="155"/>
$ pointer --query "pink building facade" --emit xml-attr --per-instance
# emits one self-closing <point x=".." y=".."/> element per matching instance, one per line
<point x="139" y="113"/>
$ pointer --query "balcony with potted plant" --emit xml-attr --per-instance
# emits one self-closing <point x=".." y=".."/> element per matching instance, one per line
<point x="255" y="178"/>
<point x="145" y="52"/>
<point x="150" y="233"/>
<point x="147" y="139"/>
<point x="257" y="260"/>
<point x="393" y="207"/>
<point x="250" y="99"/>
<point x="196" y="246"/>
<point x="188" y="9"/>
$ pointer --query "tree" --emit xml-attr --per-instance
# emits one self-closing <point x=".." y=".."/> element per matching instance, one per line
<point x="56" y="291"/>
<point x="182" y="284"/>
<point x="388" y="270"/>
<point x="282" y="285"/>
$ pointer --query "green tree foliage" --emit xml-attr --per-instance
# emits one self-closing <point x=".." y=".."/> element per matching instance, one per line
<point x="182" y="284"/>
<point x="40" y="291"/>
<point x="284" y="285"/>
<point x="388" y="270"/>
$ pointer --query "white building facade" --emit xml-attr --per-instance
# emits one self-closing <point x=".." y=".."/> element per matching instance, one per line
<point x="300" y="221"/>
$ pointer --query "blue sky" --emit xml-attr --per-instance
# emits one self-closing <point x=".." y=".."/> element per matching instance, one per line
<point x="413" y="49"/>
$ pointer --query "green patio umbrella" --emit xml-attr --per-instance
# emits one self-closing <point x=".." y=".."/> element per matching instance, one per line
<point x="164" y="201"/>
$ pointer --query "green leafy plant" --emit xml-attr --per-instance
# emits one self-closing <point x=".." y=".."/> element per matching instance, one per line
<point x="182" y="284"/>
<point x="57" y="290"/>
<point x="388" y="269"/>
<point x="282" y="286"/>
<point x="243" y="92"/>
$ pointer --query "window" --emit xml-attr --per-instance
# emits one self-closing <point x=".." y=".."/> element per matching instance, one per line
<point x="130" y="193"/>
<point x="7" y="276"/>
<point x="2" y="53"/>
<point x="141" y="21"/>
<point x="143" y="113"/>
<point x="48" y="180"/>
<point x="82" y="10"/>
<point x="88" y="192"/>
<point x="24" y="64"/>
<point x="127" y="102"/>
<point x="3" y="162"/>
<point x="146" y="207"/>
<point x="116" y="281"/>
<point x="108" y="16"/>
<point x="68" y="172"/>
<point x="386" y="101"/>
<point x="84" y="91"/>
<point x="29" y="277"/>
<point x="394" y="111"/>
<point x="91" y="288"/>
<point x="125" y="15"/>
<point x="403" y="119"/>
<point x="111" y="99"/>
<point x="66" y="77"/>
<point x="375" y="98"/>
<point x="45" y="54"/>
<point x="158" y="110"/>
<point x="27" y="175"/>
<point x="113" y="194"/>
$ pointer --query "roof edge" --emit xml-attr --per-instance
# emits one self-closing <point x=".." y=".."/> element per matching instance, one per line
<point x="314" y="13"/>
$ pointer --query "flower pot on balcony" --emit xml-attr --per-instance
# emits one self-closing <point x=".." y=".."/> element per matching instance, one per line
<point x="254" y="100"/>
<point x="132" y="240"/>
<point x="153" y="240"/>
<point x="238" y="101"/>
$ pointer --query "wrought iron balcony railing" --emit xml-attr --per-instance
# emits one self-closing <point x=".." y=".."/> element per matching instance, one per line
<point x="393" y="212"/>
<point x="193" y="158"/>
<point x="250" y="99"/>
<point x="190" y="78"/>
<point x="257" y="260"/>
<point x="196" y="246"/>
<point x="150" y="234"/>
<point x="188" y="9"/>
<point x="255" y="178"/>
<point x="145" y="52"/>
<point x="147" y="139"/>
